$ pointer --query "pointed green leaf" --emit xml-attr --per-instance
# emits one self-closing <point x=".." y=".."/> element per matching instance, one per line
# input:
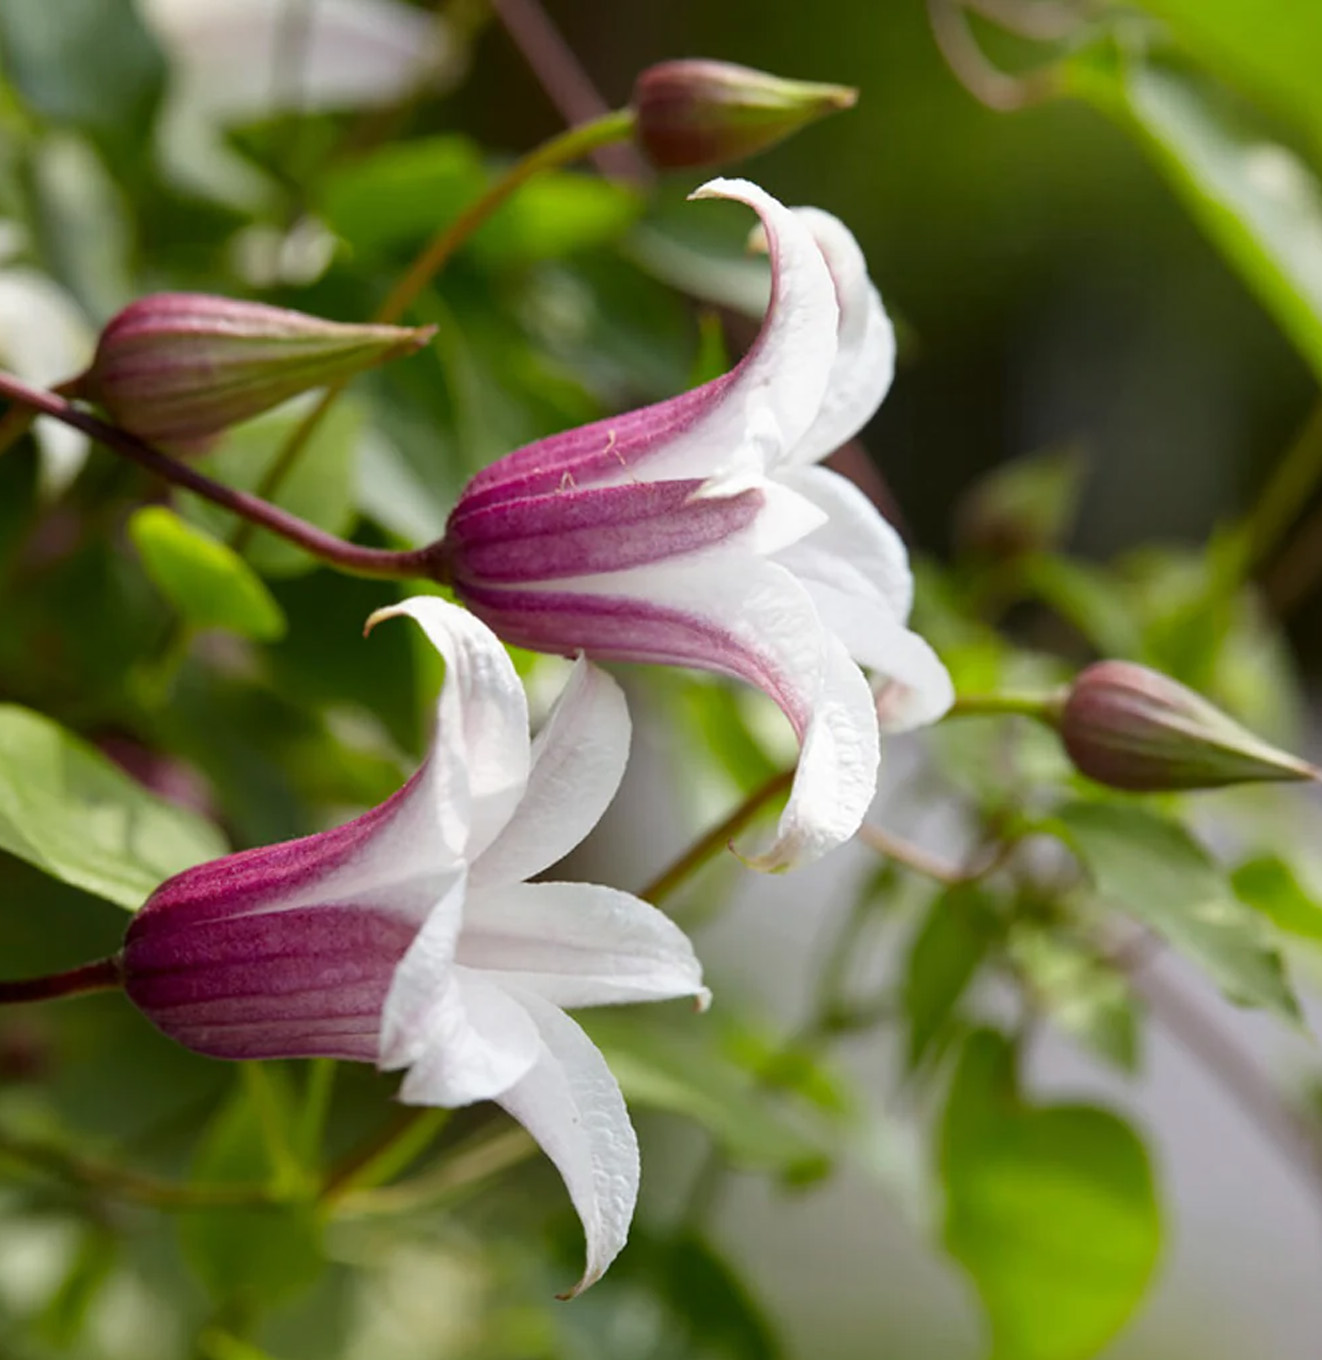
<point x="1153" y="868"/>
<point x="1051" y="1209"/>
<point x="68" y="810"/>
<point x="207" y="581"/>
<point x="1270" y="886"/>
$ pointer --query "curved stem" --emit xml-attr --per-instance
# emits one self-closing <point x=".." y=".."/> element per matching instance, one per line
<point x="326" y="547"/>
<point x="715" y="840"/>
<point x="568" y="146"/>
<point x="101" y="976"/>
<point x="1041" y="705"/>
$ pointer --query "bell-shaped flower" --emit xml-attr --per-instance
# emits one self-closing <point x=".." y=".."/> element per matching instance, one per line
<point x="411" y="938"/>
<point x="701" y="532"/>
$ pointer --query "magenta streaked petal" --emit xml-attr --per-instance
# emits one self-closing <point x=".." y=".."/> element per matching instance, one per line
<point x="578" y="533"/>
<point x="741" y="423"/>
<point x="622" y="628"/>
<point x="300" y="983"/>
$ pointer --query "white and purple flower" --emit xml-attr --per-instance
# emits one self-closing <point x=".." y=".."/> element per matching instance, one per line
<point x="701" y="532"/>
<point x="411" y="937"/>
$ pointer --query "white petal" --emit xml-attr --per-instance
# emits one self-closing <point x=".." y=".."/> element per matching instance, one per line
<point x="772" y="398"/>
<point x="420" y="989"/>
<point x="915" y="689"/>
<point x="572" y="1106"/>
<point x="578" y="944"/>
<point x="250" y="58"/>
<point x="750" y="618"/>
<point x="837" y="775"/>
<point x="865" y="359"/>
<point x="578" y="760"/>
<point x="480" y="1042"/>
<point x="857" y="553"/>
<point x="480" y="755"/>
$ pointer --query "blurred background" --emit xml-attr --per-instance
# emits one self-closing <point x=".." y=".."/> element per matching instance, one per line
<point x="1110" y="284"/>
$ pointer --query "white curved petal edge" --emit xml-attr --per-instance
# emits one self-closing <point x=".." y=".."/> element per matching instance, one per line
<point x="914" y="689"/>
<point x="477" y="1042"/>
<point x="865" y="356"/>
<point x="770" y="399"/>
<point x="579" y="944"/>
<point x="481" y="753"/>
<point x="578" y="761"/>
<point x="836" y="779"/>
<point x="572" y="1106"/>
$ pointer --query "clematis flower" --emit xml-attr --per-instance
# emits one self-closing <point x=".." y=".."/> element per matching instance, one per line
<point x="701" y="532"/>
<point x="411" y="938"/>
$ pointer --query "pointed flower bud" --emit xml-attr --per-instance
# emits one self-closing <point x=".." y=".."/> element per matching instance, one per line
<point x="707" y="113"/>
<point x="1133" y="728"/>
<point x="174" y="368"/>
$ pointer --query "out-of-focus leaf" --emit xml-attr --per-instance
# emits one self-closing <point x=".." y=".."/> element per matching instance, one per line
<point x="250" y="1257"/>
<point x="1270" y="886"/>
<point x="320" y="489"/>
<point x="1258" y="202"/>
<point x="66" y="809"/>
<point x="707" y="1312"/>
<point x="1275" y="56"/>
<point x="959" y="930"/>
<point x="1051" y="1209"/>
<point x="1152" y="868"/>
<point x="63" y="1318"/>
<point x="1085" y="596"/>
<point x="713" y="354"/>
<point x="1082" y="995"/>
<point x="403" y="193"/>
<point x="1027" y="505"/>
<point x="663" y="1069"/>
<point x="91" y="64"/>
<point x="555" y="215"/>
<point x="207" y="581"/>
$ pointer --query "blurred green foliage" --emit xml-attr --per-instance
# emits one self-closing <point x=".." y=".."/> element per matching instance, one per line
<point x="1124" y="354"/>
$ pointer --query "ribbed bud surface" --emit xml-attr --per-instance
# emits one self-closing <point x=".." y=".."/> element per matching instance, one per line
<point x="706" y="113"/>
<point x="176" y="368"/>
<point x="1133" y="728"/>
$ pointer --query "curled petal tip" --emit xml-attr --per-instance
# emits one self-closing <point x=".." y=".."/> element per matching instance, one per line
<point x="702" y="1000"/>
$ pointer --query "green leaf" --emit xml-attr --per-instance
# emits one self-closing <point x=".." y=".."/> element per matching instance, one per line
<point x="319" y="490"/>
<point x="91" y="64"/>
<point x="402" y="193"/>
<point x="1152" y="868"/>
<point x="1083" y="995"/>
<point x="1028" y="504"/>
<point x="1086" y="596"/>
<point x="1274" y="54"/>
<point x="208" y="582"/>
<point x="684" y="1073"/>
<point x="954" y="939"/>
<point x="68" y="810"/>
<point x="1270" y="886"/>
<point x="556" y="215"/>
<point x="1051" y="1209"/>
<point x="1258" y="202"/>
<point x="259" y="1256"/>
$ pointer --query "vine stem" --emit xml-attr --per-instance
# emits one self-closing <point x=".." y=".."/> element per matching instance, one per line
<point x="717" y="839"/>
<point x="349" y="557"/>
<point x="1044" y="706"/>
<point x="567" y="146"/>
<point x="102" y="976"/>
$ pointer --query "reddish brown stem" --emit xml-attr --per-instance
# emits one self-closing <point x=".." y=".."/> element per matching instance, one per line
<point x="101" y="976"/>
<point x="328" y="548"/>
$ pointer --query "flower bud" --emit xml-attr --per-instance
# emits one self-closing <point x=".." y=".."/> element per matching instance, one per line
<point x="1133" y="728"/>
<point x="175" y="368"/>
<point x="702" y="113"/>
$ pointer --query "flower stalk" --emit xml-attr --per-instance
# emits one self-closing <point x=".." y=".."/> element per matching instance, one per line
<point x="328" y="548"/>
<point x="102" y="976"/>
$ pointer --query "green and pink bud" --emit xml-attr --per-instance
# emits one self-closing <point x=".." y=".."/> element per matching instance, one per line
<point x="697" y="113"/>
<point x="179" y="368"/>
<point x="1135" y="729"/>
